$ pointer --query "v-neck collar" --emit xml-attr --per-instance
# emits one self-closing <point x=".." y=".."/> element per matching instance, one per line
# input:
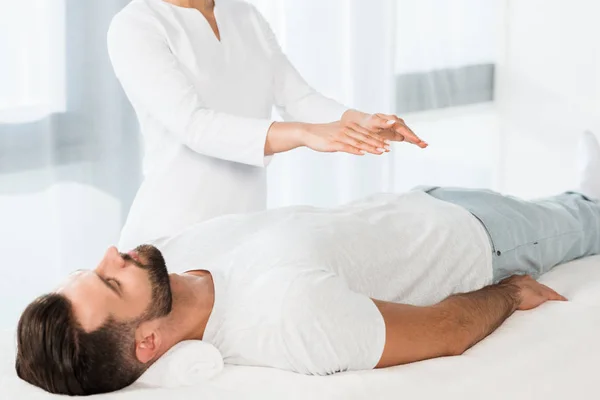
<point x="218" y="39"/>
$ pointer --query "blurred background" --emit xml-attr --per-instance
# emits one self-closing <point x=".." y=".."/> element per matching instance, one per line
<point x="501" y="89"/>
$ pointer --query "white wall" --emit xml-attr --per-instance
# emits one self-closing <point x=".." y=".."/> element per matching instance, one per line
<point x="440" y="34"/>
<point x="548" y="92"/>
<point x="463" y="150"/>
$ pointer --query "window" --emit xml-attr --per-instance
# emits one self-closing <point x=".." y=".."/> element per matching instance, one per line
<point x="32" y="50"/>
<point x="446" y="52"/>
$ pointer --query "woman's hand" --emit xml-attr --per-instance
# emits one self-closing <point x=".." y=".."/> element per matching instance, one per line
<point x="344" y="136"/>
<point x="389" y="127"/>
<point x="356" y="133"/>
<point x="397" y="130"/>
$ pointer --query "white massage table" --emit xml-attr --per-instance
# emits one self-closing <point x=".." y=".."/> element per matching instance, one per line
<point x="552" y="352"/>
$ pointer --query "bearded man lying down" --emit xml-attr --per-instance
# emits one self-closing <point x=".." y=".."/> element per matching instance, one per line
<point x="388" y="280"/>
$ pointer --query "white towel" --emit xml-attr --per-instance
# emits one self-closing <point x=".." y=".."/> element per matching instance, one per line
<point x="187" y="363"/>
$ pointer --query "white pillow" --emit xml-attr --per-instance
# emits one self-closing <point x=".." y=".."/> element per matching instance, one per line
<point x="187" y="363"/>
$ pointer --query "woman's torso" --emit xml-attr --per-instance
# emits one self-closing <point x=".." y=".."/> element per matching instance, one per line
<point x="233" y="76"/>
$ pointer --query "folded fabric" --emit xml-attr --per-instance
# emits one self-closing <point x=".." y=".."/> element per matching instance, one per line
<point x="185" y="364"/>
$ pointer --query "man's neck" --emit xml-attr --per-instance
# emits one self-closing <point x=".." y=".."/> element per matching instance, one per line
<point x="193" y="300"/>
<point x="202" y="5"/>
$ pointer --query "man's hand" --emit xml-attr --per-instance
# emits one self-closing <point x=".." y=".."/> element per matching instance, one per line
<point x="457" y="323"/>
<point x="531" y="292"/>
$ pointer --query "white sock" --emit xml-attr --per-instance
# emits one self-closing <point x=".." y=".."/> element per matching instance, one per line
<point x="589" y="165"/>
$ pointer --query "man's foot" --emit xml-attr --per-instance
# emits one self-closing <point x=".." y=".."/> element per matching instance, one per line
<point x="589" y="167"/>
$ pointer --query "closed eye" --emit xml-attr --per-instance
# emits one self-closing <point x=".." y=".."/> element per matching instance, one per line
<point x="115" y="283"/>
<point x="114" y="286"/>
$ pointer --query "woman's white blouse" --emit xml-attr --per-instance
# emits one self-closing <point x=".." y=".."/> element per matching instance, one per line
<point x="204" y="108"/>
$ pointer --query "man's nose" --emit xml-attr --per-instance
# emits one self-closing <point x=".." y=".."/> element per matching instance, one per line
<point x="113" y="258"/>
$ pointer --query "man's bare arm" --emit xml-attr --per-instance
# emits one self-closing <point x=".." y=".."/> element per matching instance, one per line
<point x="457" y="323"/>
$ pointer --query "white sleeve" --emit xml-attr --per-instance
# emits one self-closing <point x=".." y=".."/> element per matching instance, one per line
<point x="159" y="85"/>
<point x="328" y="328"/>
<point x="294" y="98"/>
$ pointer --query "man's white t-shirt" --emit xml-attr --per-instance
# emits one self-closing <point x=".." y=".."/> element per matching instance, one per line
<point x="293" y="286"/>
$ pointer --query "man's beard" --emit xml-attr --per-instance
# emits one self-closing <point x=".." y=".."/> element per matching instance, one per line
<point x="154" y="263"/>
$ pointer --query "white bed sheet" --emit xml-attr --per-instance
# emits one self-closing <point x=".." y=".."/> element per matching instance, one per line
<point x="552" y="352"/>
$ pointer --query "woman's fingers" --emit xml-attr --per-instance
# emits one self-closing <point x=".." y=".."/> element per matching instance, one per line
<point x="371" y="133"/>
<point x="351" y="138"/>
<point x="359" y="133"/>
<point x="409" y="135"/>
<point x="346" y="148"/>
<point x="378" y="122"/>
<point x="389" y="117"/>
<point x="348" y="137"/>
<point x="400" y="127"/>
<point x="358" y="141"/>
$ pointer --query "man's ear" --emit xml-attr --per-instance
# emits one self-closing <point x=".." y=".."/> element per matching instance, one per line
<point x="147" y="342"/>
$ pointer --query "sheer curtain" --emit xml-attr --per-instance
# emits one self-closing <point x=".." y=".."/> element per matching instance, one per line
<point x="32" y="45"/>
<point x="69" y="151"/>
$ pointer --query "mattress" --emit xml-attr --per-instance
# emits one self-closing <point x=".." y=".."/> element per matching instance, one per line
<point x="551" y="352"/>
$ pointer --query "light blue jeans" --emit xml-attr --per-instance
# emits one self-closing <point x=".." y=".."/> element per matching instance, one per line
<point x="530" y="237"/>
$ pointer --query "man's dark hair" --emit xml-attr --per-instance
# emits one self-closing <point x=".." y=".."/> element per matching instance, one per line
<point x="56" y="354"/>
